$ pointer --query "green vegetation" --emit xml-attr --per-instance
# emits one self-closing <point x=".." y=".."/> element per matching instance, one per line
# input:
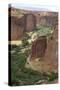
<point x="38" y="32"/>
<point x="44" y="31"/>
<point x="25" y="42"/>
<point x="21" y="75"/>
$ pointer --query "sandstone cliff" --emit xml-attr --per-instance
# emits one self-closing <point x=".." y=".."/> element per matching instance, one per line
<point x="24" y="20"/>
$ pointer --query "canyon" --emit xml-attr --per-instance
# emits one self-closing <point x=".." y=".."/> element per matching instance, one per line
<point x="27" y="21"/>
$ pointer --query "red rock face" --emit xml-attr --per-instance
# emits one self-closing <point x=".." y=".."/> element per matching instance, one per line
<point x="51" y="54"/>
<point x="16" y="29"/>
<point x="30" y="22"/>
<point x="47" y="20"/>
<point x="21" y="25"/>
<point x="39" y="47"/>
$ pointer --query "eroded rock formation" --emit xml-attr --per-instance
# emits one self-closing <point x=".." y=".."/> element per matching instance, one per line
<point x="39" y="47"/>
<point x="51" y="54"/>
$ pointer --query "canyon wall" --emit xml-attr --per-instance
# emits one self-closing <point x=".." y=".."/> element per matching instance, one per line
<point x="39" y="47"/>
<point x="26" y="21"/>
